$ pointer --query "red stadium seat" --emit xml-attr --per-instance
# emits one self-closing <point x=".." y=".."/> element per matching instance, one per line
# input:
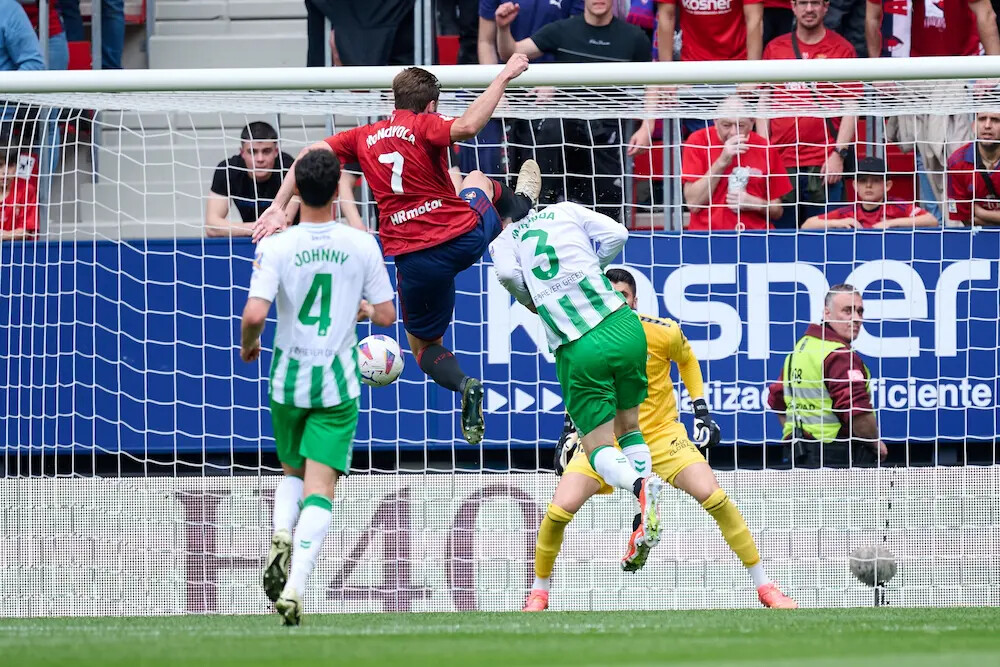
<point x="447" y="46"/>
<point x="80" y="55"/>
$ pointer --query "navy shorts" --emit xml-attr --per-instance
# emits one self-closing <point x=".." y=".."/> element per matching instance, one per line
<point x="426" y="278"/>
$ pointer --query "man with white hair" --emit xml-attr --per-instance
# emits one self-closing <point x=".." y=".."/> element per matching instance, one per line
<point x="822" y="395"/>
<point x="733" y="179"/>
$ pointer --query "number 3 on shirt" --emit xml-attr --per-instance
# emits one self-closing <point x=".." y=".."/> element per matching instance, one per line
<point x="396" y="160"/>
<point x="322" y="289"/>
<point x="543" y="248"/>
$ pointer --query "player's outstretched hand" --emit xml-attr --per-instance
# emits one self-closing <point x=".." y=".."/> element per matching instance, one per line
<point x="516" y="66"/>
<point x="251" y="353"/>
<point x="272" y="221"/>
<point x="506" y="13"/>
<point x="706" y="431"/>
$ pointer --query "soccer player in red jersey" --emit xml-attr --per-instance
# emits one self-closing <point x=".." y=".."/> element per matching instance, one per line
<point x="873" y="210"/>
<point x="433" y="232"/>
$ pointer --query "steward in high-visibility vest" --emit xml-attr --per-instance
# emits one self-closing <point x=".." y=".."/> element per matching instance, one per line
<point x="822" y="390"/>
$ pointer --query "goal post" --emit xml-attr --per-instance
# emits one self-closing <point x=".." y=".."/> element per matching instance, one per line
<point x="137" y="465"/>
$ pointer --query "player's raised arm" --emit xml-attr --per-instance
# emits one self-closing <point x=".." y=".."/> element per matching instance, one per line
<point x="609" y="234"/>
<point x="274" y="218"/>
<point x="481" y="110"/>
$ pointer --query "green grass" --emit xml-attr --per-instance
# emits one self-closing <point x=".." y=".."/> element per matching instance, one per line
<point x="912" y="637"/>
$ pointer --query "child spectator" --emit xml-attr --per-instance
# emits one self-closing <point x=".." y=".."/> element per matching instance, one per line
<point x="18" y="202"/>
<point x="873" y="210"/>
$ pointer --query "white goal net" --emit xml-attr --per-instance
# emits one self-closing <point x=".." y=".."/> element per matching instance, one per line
<point x="137" y="464"/>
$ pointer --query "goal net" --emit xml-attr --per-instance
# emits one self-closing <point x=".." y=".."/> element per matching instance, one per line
<point x="138" y="463"/>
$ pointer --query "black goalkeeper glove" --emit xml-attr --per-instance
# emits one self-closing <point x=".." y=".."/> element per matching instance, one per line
<point x="566" y="447"/>
<point x="706" y="431"/>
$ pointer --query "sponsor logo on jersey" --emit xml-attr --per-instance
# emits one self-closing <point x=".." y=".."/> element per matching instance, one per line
<point x="402" y="216"/>
<point x="257" y="258"/>
<point x="599" y="42"/>
<point x="708" y="6"/>
<point x="390" y="132"/>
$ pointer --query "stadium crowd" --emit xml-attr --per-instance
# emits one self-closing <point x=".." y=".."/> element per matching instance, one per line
<point x="739" y="172"/>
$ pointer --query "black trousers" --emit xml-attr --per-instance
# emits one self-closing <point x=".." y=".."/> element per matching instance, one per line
<point x="580" y="160"/>
<point x="836" y="454"/>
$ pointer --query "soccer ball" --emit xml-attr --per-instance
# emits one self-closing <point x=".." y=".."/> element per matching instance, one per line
<point x="873" y="566"/>
<point x="381" y="362"/>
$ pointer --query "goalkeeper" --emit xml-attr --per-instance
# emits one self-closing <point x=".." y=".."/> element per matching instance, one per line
<point x="670" y="454"/>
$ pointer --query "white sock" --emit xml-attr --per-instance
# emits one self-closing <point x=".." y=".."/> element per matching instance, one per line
<point x="640" y="458"/>
<point x="612" y="465"/>
<point x="287" y="497"/>
<point x="541" y="583"/>
<point x="310" y="532"/>
<point x="758" y="575"/>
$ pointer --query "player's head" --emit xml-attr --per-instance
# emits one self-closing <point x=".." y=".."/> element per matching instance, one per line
<point x="623" y="281"/>
<point x="735" y="117"/>
<point x="988" y="128"/>
<point x="317" y="174"/>
<point x="843" y="311"/>
<point x="416" y="90"/>
<point x="809" y="14"/>
<point x="259" y="149"/>
<point x="872" y="183"/>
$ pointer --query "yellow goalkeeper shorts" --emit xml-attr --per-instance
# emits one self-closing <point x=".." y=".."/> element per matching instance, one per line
<point x="671" y="452"/>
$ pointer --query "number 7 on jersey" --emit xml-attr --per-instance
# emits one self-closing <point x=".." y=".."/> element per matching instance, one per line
<point x="396" y="160"/>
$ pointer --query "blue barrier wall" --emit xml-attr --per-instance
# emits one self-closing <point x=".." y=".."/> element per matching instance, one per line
<point x="133" y="346"/>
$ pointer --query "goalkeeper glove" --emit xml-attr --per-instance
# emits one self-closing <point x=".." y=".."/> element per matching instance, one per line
<point x="566" y="447"/>
<point x="706" y="431"/>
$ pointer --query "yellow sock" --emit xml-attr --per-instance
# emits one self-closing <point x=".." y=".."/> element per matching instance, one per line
<point x="733" y="526"/>
<point x="549" y="540"/>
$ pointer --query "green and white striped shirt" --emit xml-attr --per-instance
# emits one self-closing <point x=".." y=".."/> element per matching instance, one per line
<point x="548" y="259"/>
<point x="318" y="273"/>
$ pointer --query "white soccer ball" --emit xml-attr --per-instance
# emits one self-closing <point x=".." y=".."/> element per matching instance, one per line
<point x="380" y="360"/>
<point x="873" y="565"/>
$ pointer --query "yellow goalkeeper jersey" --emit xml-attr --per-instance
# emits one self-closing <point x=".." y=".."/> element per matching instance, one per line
<point x="665" y="343"/>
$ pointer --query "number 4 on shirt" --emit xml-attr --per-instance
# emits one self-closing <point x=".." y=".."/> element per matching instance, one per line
<point x="321" y="288"/>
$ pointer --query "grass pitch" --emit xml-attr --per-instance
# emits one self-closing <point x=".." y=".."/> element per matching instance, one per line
<point x="952" y="637"/>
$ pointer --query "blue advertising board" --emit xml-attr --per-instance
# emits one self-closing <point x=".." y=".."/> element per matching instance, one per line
<point x="133" y="346"/>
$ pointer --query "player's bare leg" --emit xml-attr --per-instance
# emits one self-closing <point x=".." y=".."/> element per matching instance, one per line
<point x="611" y="464"/>
<point x="441" y="366"/>
<point x="310" y="531"/>
<point x="510" y="204"/>
<point x="287" y="497"/>
<point x="573" y="491"/>
<point x="698" y="480"/>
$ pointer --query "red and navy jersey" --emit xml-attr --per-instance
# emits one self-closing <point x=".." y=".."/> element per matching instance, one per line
<point x="967" y="185"/>
<point x="405" y="161"/>
<point x="890" y="210"/>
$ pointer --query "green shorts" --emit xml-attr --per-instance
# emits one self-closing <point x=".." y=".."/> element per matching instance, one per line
<point x="604" y="371"/>
<point x="323" y="435"/>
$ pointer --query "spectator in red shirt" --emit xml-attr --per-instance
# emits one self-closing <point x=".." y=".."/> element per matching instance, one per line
<point x="713" y="29"/>
<point x="872" y="209"/>
<point x="813" y="149"/>
<point x="733" y="180"/>
<point x="937" y="28"/>
<point x="844" y="381"/>
<point x="973" y="176"/>
<point x="18" y="203"/>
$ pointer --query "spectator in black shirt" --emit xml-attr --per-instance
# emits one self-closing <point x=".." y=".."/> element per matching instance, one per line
<point x="588" y="146"/>
<point x="251" y="179"/>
